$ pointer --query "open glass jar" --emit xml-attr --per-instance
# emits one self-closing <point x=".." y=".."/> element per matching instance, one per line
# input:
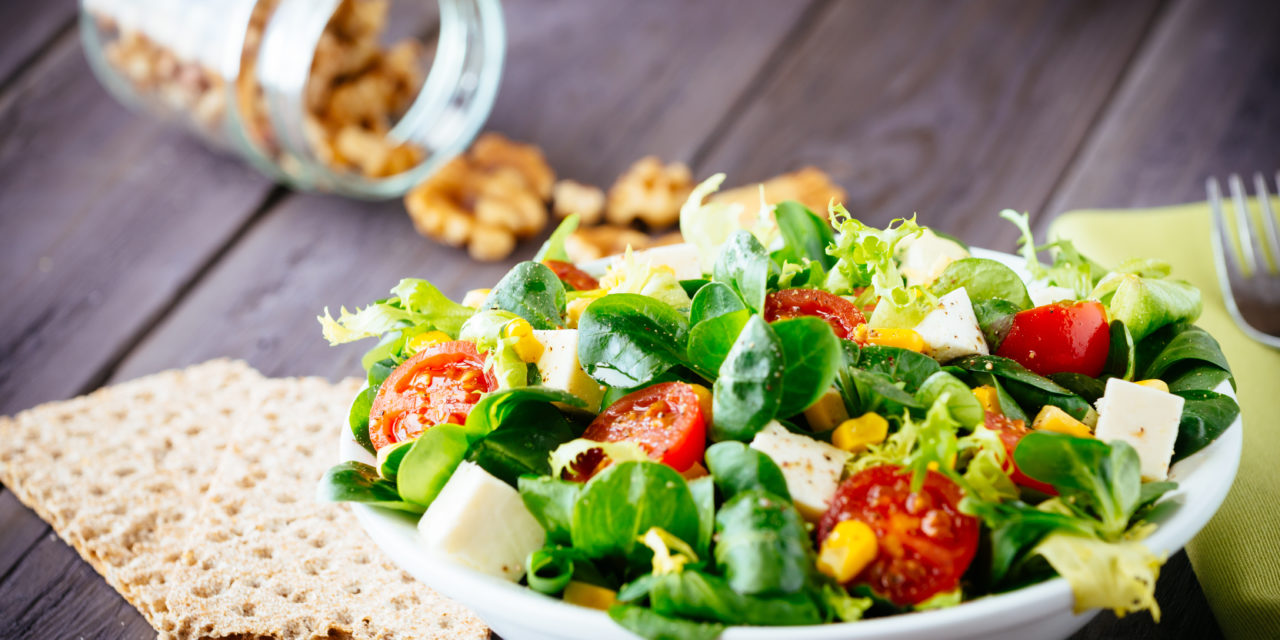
<point x="320" y="94"/>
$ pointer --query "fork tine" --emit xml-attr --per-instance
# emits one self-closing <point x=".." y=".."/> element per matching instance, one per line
<point x="1269" y="232"/>
<point x="1223" y="242"/>
<point x="1243" y="226"/>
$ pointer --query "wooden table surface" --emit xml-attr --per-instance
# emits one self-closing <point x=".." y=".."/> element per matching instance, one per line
<point x="129" y="248"/>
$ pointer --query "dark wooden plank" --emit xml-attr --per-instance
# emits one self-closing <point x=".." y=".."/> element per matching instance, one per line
<point x="314" y="251"/>
<point x="79" y="605"/>
<point x="115" y="214"/>
<point x="26" y="28"/>
<point x="1200" y="101"/>
<point x="952" y="110"/>
<point x="19" y="530"/>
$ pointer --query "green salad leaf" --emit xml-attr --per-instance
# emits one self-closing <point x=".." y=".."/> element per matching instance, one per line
<point x="1031" y="391"/>
<point x="960" y="402"/>
<point x="711" y="340"/>
<point x="553" y="248"/>
<point x="1122" y="354"/>
<point x="1117" y="575"/>
<point x="744" y="265"/>
<point x="1147" y="304"/>
<point x="358" y="482"/>
<point x="625" y="340"/>
<point x="805" y="235"/>
<point x="549" y="570"/>
<point x="621" y="503"/>
<point x="983" y="279"/>
<point x="697" y="595"/>
<point x="550" y="500"/>
<point x="995" y="318"/>
<point x="1205" y="416"/>
<point x="521" y="446"/>
<point x="429" y="463"/>
<point x="748" y="391"/>
<point x="358" y="416"/>
<point x="712" y="300"/>
<point x="651" y="625"/>
<point x="812" y="357"/>
<point x="531" y="291"/>
<point x="414" y="302"/>
<point x="762" y="546"/>
<point x="737" y="468"/>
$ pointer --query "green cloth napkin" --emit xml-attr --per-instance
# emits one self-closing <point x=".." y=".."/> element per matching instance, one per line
<point x="1237" y="556"/>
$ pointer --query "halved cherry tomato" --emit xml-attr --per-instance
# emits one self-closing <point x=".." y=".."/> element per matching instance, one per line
<point x="1011" y="432"/>
<point x="573" y="276"/>
<point x="1057" y="338"/>
<point x="841" y="314"/>
<point x="667" y="420"/>
<point x="440" y="384"/>
<point x="925" y="543"/>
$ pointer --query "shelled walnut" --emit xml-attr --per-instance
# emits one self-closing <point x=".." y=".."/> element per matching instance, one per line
<point x="485" y="201"/>
<point x="809" y="186"/>
<point x="593" y="243"/>
<point x="649" y="192"/>
<point x="570" y="197"/>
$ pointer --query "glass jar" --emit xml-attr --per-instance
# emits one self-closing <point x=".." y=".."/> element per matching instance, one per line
<point x="311" y="92"/>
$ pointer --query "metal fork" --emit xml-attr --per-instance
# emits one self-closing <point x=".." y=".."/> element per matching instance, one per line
<point x="1250" y="278"/>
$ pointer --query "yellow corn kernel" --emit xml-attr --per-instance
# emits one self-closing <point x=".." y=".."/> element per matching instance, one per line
<point x="848" y="550"/>
<point x="827" y="413"/>
<point x="589" y="595"/>
<point x="989" y="398"/>
<point x="1155" y="383"/>
<point x="475" y="298"/>
<point x="858" y="433"/>
<point x="1052" y="418"/>
<point x="575" y="308"/>
<point x="423" y="340"/>
<point x="517" y="328"/>
<point x="902" y="338"/>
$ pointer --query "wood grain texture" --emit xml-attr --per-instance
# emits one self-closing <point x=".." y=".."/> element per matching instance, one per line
<point x="19" y="530"/>
<point x="26" y="28"/>
<point x="115" y="214"/>
<point x="952" y="110"/>
<point x="1201" y="100"/>
<point x="581" y="99"/>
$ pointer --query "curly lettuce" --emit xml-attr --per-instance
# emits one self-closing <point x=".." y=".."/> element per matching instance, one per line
<point x="630" y="275"/>
<point x="414" y="303"/>
<point x="1120" y="576"/>
<point x="865" y="258"/>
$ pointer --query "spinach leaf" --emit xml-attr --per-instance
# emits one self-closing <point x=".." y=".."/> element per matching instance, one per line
<point x="1205" y="415"/>
<point x="983" y="279"/>
<point x="1031" y="391"/>
<point x="711" y="340"/>
<point x="1121" y="356"/>
<point x="549" y="570"/>
<point x="626" y="339"/>
<point x="744" y="266"/>
<point x="693" y="285"/>
<point x="1092" y="477"/>
<point x="865" y="391"/>
<point x="805" y="235"/>
<point x="748" y="391"/>
<point x="550" y="501"/>
<point x="811" y="356"/>
<point x="553" y="248"/>
<point x="522" y="445"/>
<point x="737" y="468"/>
<point x="379" y="371"/>
<point x="995" y="318"/>
<point x="390" y="457"/>
<point x="430" y="461"/>
<point x="496" y="408"/>
<point x="531" y="291"/>
<point x="1189" y="346"/>
<point x="961" y="403"/>
<point x="703" y="491"/>
<point x="713" y="300"/>
<point x="1016" y="528"/>
<point x="762" y="546"/>
<point x="353" y="481"/>
<point x="1088" y="388"/>
<point x="623" y="502"/>
<point x="899" y="364"/>
<point x="1205" y="378"/>
<point x="700" y="596"/>
<point x="358" y="416"/>
<point x="651" y="625"/>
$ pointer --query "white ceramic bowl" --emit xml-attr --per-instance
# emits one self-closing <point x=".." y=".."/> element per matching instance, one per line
<point x="1040" y="611"/>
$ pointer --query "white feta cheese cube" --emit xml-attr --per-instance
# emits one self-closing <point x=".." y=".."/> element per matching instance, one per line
<point x="926" y="256"/>
<point x="951" y="331"/>
<point x="1144" y="417"/>
<point x="1042" y="294"/>
<point x="682" y="258"/>
<point x="811" y="468"/>
<point x="480" y="522"/>
<point x="559" y="368"/>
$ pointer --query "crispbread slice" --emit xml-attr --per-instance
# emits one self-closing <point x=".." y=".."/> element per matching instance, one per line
<point x="121" y="469"/>
<point x="266" y="559"/>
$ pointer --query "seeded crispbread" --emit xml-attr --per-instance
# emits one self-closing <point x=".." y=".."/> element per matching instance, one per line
<point x="114" y="471"/>
<point x="213" y="530"/>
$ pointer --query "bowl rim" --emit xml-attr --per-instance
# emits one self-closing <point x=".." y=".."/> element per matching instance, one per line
<point x="396" y="532"/>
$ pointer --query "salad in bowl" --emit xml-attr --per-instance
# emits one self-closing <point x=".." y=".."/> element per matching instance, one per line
<point x="789" y="420"/>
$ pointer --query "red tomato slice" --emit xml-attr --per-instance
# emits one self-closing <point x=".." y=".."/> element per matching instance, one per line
<point x="842" y="315"/>
<point x="1011" y="432"/>
<point x="1057" y="338"/>
<point x="573" y="276"/>
<point x="667" y="420"/>
<point x="925" y="542"/>
<point x="437" y="385"/>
